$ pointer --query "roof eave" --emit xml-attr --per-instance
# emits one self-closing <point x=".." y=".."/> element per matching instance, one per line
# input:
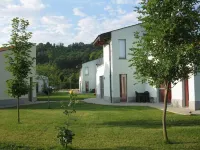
<point x="102" y="39"/>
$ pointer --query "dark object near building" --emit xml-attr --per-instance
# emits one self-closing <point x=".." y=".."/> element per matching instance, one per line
<point x="92" y="90"/>
<point x="142" y="97"/>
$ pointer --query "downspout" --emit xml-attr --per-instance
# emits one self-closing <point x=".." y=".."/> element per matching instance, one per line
<point x="110" y="73"/>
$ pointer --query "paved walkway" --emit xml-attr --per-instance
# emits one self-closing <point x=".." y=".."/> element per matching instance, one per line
<point x="182" y="111"/>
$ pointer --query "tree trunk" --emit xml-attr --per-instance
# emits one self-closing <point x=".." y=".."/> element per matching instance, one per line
<point x="164" y="113"/>
<point x="48" y="100"/>
<point x="18" y="116"/>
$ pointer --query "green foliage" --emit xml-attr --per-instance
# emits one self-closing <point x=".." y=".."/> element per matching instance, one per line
<point x="67" y="59"/>
<point x="64" y="96"/>
<point x="50" y="71"/>
<point x="132" y="128"/>
<point x="96" y="54"/>
<point x="19" y="60"/>
<point x="17" y="88"/>
<point x="65" y="135"/>
<point x="168" y="50"/>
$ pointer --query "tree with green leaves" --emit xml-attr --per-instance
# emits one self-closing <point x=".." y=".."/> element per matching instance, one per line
<point x="52" y="73"/>
<point x="19" y="60"/>
<point x="169" y="50"/>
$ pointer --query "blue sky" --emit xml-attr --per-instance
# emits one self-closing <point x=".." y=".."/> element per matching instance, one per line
<point x="67" y="21"/>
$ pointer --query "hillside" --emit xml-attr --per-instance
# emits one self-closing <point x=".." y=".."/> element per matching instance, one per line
<point x="67" y="59"/>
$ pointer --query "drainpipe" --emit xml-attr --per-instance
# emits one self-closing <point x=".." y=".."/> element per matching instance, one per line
<point x="110" y="74"/>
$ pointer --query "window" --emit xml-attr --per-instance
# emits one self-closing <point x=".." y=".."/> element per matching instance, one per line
<point x="122" y="49"/>
<point x="86" y="71"/>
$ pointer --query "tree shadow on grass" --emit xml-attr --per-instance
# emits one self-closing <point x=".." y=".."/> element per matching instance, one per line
<point x="85" y="106"/>
<point x="11" y="146"/>
<point x="176" y="143"/>
<point x="120" y="148"/>
<point x="150" y="123"/>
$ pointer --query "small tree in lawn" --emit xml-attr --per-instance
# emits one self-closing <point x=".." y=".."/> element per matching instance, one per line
<point x="169" y="50"/>
<point x="53" y="74"/>
<point x="19" y="60"/>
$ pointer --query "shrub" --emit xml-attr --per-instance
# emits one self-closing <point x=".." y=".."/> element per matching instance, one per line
<point x="65" y="135"/>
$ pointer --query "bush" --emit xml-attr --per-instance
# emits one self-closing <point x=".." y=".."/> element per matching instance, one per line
<point x="65" y="136"/>
<point x="92" y="90"/>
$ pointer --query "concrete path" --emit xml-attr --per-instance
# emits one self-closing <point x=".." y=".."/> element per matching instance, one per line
<point x="182" y="111"/>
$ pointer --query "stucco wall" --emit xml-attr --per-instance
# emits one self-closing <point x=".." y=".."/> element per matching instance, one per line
<point x="80" y="81"/>
<point x="121" y="66"/>
<point x="194" y="94"/>
<point x="177" y="95"/>
<point x="91" y="77"/>
<point x="153" y="92"/>
<point x="100" y="72"/>
<point x="5" y="75"/>
<point x="106" y="72"/>
<point x="178" y="98"/>
<point x="40" y="81"/>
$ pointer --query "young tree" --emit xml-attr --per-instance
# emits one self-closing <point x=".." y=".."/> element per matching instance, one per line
<point x="53" y="74"/>
<point x="168" y="51"/>
<point x="19" y="60"/>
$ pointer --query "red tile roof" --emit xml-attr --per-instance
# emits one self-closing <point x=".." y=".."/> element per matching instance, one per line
<point x="3" y="49"/>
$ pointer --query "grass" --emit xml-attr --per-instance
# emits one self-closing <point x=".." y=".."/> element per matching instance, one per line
<point x="98" y="128"/>
<point x="62" y="96"/>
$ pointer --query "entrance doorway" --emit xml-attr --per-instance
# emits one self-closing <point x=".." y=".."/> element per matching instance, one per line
<point x="87" y="86"/>
<point x="186" y="92"/>
<point x="123" y="87"/>
<point x="162" y="94"/>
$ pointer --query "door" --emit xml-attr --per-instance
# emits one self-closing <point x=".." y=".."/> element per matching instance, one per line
<point x="123" y="88"/>
<point x="162" y="94"/>
<point x="87" y="86"/>
<point x="101" y="87"/>
<point x="186" y="92"/>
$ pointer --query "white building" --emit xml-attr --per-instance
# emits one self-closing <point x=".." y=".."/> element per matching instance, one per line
<point x="114" y="78"/>
<point x="87" y="78"/>
<point x="5" y="99"/>
<point x="41" y="82"/>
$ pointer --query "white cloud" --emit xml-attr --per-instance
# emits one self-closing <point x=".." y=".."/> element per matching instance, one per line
<point x="121" y="2"/>
<point x="114" y="11"/>
<point x="5" y="1"/>
<point x="28" y="9"/>
<point x="78" y="12"/>
<point x="54" y="29"/>
<point x="58" y="28"/>
<point x="55" y="24"/>
<point x="90" y="27"/>
<point x="121" y="11"/>
<point x="24" y="7"/>
<point x="43" y="36"/>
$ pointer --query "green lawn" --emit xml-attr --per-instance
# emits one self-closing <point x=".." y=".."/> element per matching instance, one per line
<point x="98" y="128"/>
<point x="62" y="96"/>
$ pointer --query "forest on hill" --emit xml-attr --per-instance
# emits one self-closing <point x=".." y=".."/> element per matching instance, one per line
<point x="62" y="64"/>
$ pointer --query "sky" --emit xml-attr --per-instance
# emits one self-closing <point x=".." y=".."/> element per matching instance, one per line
<point x="67" y="21"/>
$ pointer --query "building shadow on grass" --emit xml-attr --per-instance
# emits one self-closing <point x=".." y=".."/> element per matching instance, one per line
<point x="84" y="106"/>
<point x="150" y="123"/>
<point x="120" y="148"/>
<point x="12" y="146"/>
